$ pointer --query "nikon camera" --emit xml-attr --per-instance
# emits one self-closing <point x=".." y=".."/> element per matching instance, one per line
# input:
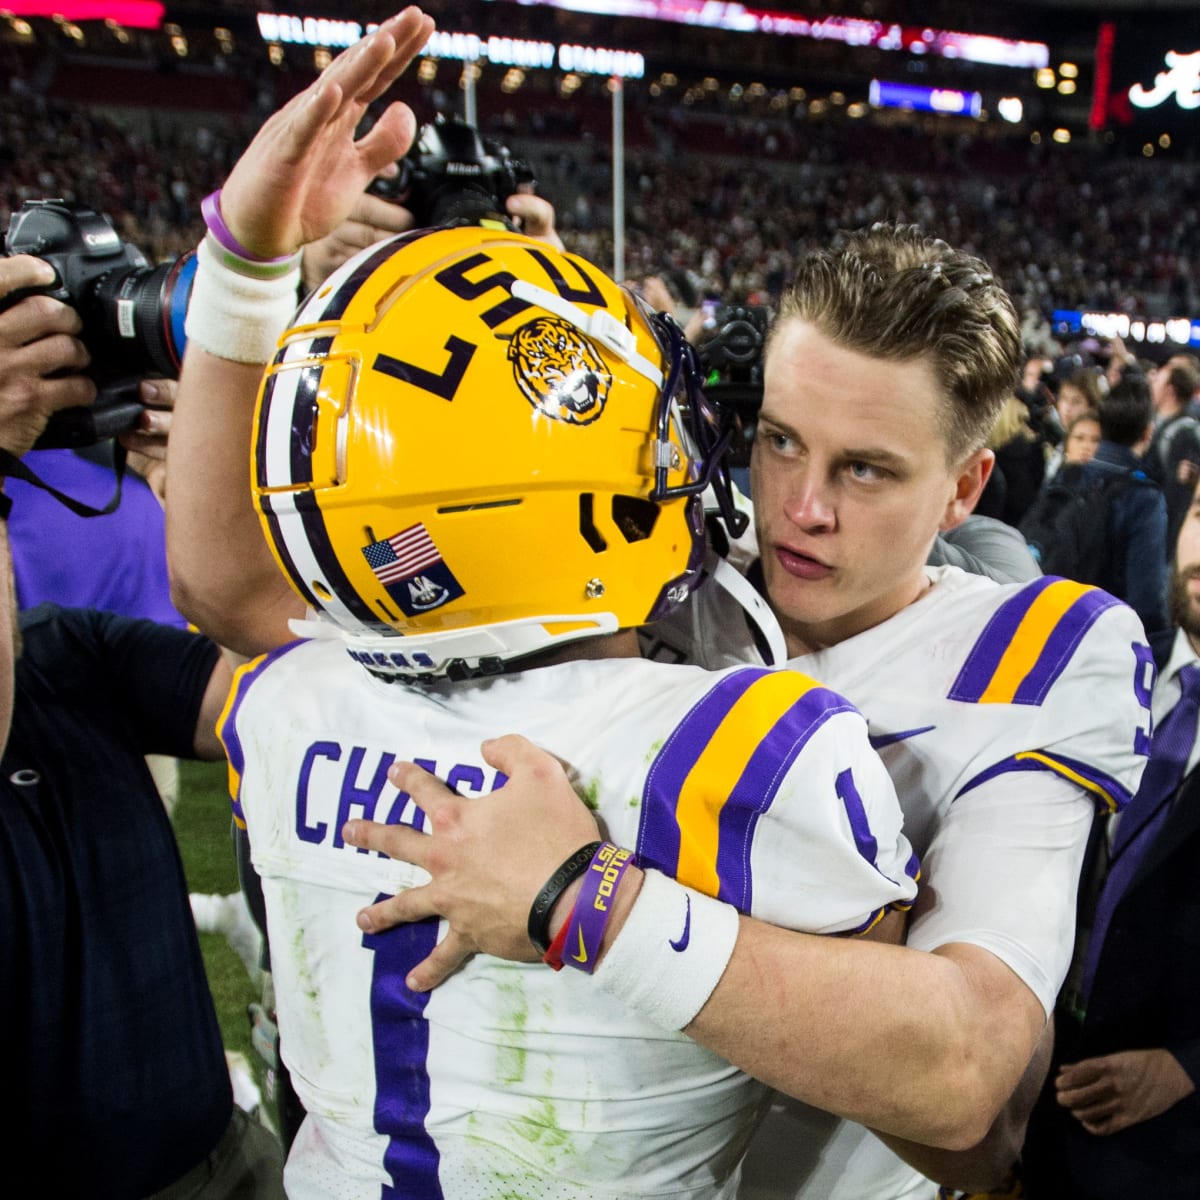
<point x="453" y="176"/>
<point x="132" y="313"/>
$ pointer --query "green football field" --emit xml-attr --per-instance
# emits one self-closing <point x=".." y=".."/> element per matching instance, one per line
<point x="202" y="828"/>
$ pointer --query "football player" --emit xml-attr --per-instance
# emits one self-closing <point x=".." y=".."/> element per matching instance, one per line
<point x="1005" y="714"/>
<point x="478" y="466"/>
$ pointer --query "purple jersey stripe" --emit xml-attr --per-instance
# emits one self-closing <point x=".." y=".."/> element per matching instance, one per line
<point x="758" y="785"/>
<point x="227" y="726"/>
<point x="1107" y="792"/>
<point x="994" y="641"/>
<point x="658" y="832"/>
<point x="401" y="1044"/>
<point x="1060" y="645"/>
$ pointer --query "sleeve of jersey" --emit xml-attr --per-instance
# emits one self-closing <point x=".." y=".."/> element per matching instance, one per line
<point x="1074" y="663"/>
<point x="768" y="796"/>
<point x="233" y="716"/>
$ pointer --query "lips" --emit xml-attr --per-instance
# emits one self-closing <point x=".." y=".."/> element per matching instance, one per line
<point x="801" y="566"/>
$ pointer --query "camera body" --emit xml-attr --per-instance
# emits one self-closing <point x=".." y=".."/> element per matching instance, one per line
<point x="732" y="356"/>
<point x="732" y="359"/>
<point x="132" y="313"/>
<point x="454" y="176"/>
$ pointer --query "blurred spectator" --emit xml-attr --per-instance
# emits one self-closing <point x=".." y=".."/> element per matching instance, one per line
<point x="1078" y="393"/>
<point x="1083" y="438"/>
<point x="1103" y="521"/>
<point x="1137" y="528"/>
<point x="1118" y="1118"/>
<point x="1174" y="454"/>
<point x="115" y="1058"/>
<point x="1020" y="465"/>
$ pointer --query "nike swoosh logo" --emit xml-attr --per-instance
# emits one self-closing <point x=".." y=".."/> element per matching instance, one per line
<point x="878" y="740"/>
<point x="582" y="956"/>
<point x="682" y="944"/>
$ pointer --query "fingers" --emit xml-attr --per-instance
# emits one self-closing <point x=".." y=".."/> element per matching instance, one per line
<point x="537" y="217"/>
<point x="72" y="391"/>
<point x="428" y="792"/>
<point x="159" y="393"/>
<point x="36" y="317"/>
<point x="381" y="216"/>
<point x="512" y="753"/>
<point x="396" y="841"/>
<point x="411" y="31"/>
<point x="389" y="138"/>
<point x="445" y="958"/>
<point x="412" y="904"/>
<point x="46" y="356"/>
<point x="24" y="271"/>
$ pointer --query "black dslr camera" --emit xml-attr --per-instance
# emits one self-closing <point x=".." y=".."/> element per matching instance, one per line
<point x="453" y="176"/>
<point x="732" y="360"/>
<point x="132" y="313"/>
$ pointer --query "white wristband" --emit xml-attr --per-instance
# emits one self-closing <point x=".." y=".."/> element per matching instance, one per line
<point x="670" y="953"/>
<point x="235" y="317"/>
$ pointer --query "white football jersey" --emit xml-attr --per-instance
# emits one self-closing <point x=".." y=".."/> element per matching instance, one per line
<point x="511" y="1080"/>
<point x="1004" y="714"/>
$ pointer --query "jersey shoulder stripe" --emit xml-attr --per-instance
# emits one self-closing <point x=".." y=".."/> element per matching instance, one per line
<point x="719" y="771"/>
<point x="227" y="729"/>
<point x="1108" y="793"/>
<point x="1028" y="642"/>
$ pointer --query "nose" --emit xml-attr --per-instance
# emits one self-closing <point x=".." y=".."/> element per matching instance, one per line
<point x="809" y="503"/>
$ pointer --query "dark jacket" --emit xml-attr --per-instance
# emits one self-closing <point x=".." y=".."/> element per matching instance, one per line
<point x="1145" y="995"/>
<point x="1138" y="530"/>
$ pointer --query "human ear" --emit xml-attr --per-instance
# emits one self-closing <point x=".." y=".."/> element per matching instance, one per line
<point x="970" y="478"/>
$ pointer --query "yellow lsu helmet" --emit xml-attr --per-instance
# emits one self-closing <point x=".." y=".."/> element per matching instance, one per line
<point x="471" y="447"/>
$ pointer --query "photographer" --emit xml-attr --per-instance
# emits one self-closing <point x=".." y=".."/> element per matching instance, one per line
<point x="114" y="1051"/>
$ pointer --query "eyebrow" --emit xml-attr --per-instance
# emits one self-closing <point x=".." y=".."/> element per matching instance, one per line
<point x="885" y="458"/>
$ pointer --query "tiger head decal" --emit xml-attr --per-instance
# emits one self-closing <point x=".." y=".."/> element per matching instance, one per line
<point x="559" y="371"/>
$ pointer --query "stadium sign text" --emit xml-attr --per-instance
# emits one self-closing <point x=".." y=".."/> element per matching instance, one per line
<point x="463" y="47"/>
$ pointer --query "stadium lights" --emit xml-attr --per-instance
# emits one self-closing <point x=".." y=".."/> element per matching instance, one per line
<point x="851" y="31"/>
<point x="133" y="14"/>
<point x="1011" y="109"/>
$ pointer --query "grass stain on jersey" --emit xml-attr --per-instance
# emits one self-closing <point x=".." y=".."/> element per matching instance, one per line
<point x="541" y="1128"/>
<point x="589" y="793"/>
<point x="513" y="1017"/>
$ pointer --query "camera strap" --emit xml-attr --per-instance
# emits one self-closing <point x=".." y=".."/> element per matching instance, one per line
<point x="13" y="468"/>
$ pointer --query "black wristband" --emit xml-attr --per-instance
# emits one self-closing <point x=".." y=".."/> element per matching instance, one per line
<point x="544" y="901"/>
<point x="5" y="506"/>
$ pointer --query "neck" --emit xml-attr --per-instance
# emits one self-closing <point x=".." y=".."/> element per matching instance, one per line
<point x="807" y="637"/>
<point x="622" y="644"/>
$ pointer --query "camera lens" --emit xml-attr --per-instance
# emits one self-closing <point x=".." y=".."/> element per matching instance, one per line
<point x="141" y="313"/>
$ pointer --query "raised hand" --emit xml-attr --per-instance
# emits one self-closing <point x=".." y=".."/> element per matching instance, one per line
<point x="303" y="173"/>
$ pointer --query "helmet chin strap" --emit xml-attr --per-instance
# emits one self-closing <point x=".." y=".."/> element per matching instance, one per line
<point x="728" y="577"/>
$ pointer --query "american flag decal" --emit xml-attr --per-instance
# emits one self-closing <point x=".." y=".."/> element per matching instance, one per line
<point x="402" y="555"/>
<point x="412" y="571"/>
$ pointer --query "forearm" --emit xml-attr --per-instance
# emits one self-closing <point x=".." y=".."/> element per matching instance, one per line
<point x="223" y="577"/>
<point x="985" y="1166"/>
<point x="924" y="1046"/>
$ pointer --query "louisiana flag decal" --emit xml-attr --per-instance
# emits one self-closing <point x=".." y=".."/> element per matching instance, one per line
<point x="412" y="571"/>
